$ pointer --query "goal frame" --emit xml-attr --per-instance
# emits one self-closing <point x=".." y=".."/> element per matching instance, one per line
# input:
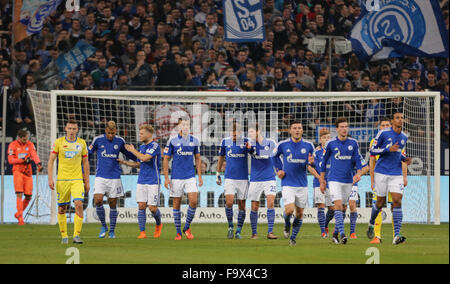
<point x="224" y="95"/>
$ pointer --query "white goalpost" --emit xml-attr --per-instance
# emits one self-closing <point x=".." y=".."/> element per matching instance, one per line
<point x="212" y="114"/>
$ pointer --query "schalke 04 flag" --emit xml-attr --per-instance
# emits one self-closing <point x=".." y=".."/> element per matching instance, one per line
<point x="67" y="62"/>
<point x="395" y="28"/>
<point x="29" y="16"/>
<point x="243" y="20"/>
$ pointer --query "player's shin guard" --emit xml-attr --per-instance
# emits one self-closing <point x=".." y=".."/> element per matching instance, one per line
<point x="19" y="205"/>
<point x="100" y="210"/>
<point x="375" y="212"/>
<point x="25" y="203"/>
<point x="240" y="221"/>
<point x="177" y="220"/>
<point x="397" y="215"/>
<point x="62" y="222"/>
<point x="77" y="225"/>
<point x="142" y="219"/>
<point x="189" y="218"/>
<point x="112" y="219"/>
<point x="338" y="215"/>
<point x="157" y="216"/>
<point x="296" y="225"/>
<point x="270" y="219"/>
<point x="254" y="221"/>
<point x="321" y="219"/>
<point x="229" y="214"/>
<point x="329" y="217"/>
<point x="353" y="218"/>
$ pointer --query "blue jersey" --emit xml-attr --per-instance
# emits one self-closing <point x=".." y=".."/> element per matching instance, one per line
<point x="107" y="155"/>
<point x="363" y="164"/>
<point x="236" y="155"/>
<point x="182" y="151"/>
<point x="295" y="161"/>
<point x="318" y="158"/>
<point x="344" y="156"/>
<point x="263" y="167"/>
<point x="389" y="163"/>
<point x="150" y="171"/>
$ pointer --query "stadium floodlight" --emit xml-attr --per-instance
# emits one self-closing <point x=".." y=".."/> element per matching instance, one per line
<point x="161" y="108"/>
<point x="317" y="45"/>
<point x="342" y="46"/>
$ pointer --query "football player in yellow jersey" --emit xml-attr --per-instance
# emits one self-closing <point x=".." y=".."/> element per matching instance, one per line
<point x="72" y="180"/>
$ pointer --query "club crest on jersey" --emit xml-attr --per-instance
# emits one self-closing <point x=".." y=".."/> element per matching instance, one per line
<point x="350" y="147"/>
<point x="403" y="142"/>
<point x="116" y="147"/>
<point x="303" y="151"/>
<point x="266" y="148"/>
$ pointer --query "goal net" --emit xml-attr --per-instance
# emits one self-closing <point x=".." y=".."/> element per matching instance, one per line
<point x="212" y="114"/>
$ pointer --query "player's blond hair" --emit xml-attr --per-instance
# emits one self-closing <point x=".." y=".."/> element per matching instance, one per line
<point x="147" y="127"/>
<point x="111" y="125"/>
<point x="323" y="132"/>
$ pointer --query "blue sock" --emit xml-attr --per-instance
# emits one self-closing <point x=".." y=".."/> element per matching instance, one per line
<point x="254" y="221"/>
<point x="189" y="218"/>
<point x="374" y="214"/>
<point x="353" y="218"/>
<point x="101" y="215"/>
<point x="240" y="222"/>
<point x="177" y="220"/>
<point x="397" y="215"/>
<point x="321" y="219"/>
<point x="157" y="216"/>
<point x="339" y="222"/>
<point x="296" y="225"/>
<point x="270" y="219"/>
<point x="329" y="217"/>
<point x="287" y="220"/>
<point x="142" y="219"/>
<point x="112" y="219"/>
<point x="229" y="214"/>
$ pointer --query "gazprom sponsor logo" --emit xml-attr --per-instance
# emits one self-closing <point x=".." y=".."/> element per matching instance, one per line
<point x="338" y="156"/>
<point x="231" y="155"/>
<point x="181" y="153"/>
<point x="295" y="161"/>
<point x="105" y="155"/>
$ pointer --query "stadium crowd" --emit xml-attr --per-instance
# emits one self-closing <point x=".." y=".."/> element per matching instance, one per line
<point x="151" y="44"/>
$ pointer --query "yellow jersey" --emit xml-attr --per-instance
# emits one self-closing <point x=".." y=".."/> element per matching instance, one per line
<point x="70" y="154"/>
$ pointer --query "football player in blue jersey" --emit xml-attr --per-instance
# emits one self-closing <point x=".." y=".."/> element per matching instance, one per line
<point x="343" y="152"/>
<point x="107" y="176"/>
<point x="297" y="157"/>
<point x="234" y="152"/>
<point x="184" y="149"/>
<point x="262" y="178"/>
<point x="390" y="174"/>
<point x="322" y="199"/>
<point x="148" y="189"/>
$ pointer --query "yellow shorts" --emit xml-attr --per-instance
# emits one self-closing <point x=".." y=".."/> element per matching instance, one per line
<point x="375" y="197"/>
<point x="69" y="188"/>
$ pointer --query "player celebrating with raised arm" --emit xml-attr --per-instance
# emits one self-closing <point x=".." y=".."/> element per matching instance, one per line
<point x="72" y="180"/>
<point x="390" y="176"/>
<point x="262" y="178"/>
<point x="149" y="180"/>
<point x="297" y="156"/>
<point x="183" y="148"/>
<point x="234" y="150"/>
<point x="107" y="177"/>
<point x="344" y="155"/>
<point x="322" y="199"/>
<point x="20" y="154"/>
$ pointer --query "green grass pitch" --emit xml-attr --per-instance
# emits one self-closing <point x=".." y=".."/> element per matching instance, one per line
<point x="41" y="244"/>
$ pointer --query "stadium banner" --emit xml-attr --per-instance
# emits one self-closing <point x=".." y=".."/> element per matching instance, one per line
<point x="360" y="133"/>
<point x="67" y="62"/>
<point x="30" y="15"/>
<point x="217" y="215"/>
<point x="399" y="28"/>
<point x="211" y="197"/>
<point x="243" y="20"/>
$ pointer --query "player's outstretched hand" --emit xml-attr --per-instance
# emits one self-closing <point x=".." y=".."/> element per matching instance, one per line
<point x="129" y="147"/>
<point x="27" y="160"/>
<point x="394" y="148"/>
<point x="87" y="187"/>
<point x="200" y="181"/>
<point x="356" y="178"/>
<point x="120" y="161"/>
<point x="408" y="161"/>
<point x="51" y="183"/>
<point x="218" y="179"/>
<point x="310" y="159"/>
<point x="39" y="167"/>
<point x="281" y="174"/>
<point x="323" y="185"/>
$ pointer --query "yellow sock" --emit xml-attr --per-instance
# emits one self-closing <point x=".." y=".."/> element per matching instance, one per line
<point x="62" y="222"/>
<point x="77" y="224"/>
<point x="377" y="228"/>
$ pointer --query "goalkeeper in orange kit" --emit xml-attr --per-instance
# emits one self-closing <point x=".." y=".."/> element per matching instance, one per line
<point x="20" y="155"/>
